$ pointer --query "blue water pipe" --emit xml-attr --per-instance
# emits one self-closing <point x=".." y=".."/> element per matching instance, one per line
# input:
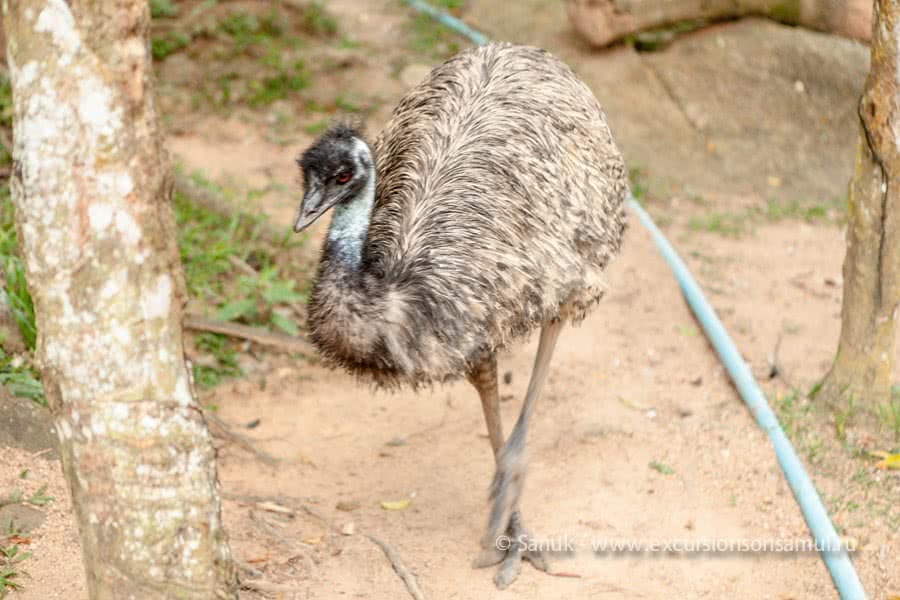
<point x="828" y="543"/>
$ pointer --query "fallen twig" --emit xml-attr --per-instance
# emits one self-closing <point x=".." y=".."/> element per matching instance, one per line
<point x="273" y="531"/>
<point x="241" y="440"/>
<point x="253" y="334"/>
<point x="242" y="265"/>
<point x="412" y="586"/>
<point x="253" y="499"/>
<point x="275" y="508"/>
<point x="247" y="568"/>
<point x="261" y="585"/>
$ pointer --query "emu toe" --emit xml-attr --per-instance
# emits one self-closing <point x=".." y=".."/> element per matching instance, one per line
<point x="508" y="550"/>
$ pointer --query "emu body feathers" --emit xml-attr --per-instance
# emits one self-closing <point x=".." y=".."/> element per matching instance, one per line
<point x="498" y="201"/>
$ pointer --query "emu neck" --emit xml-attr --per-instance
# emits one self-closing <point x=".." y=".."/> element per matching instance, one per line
<point x="350" y="224"/>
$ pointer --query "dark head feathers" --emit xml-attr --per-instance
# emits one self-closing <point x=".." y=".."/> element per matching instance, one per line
<point x="329" y="146"/>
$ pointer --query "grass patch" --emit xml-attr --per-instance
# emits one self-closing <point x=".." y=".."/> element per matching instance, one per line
<point x="168" y="44"/>
<point x="223" y="352"/>
<point x="889" y="414"/>
<point x="429" y="38"/>
<point x="724" y="223"/>
<point x="317" y="21"/>
<point x="638" y="179"/>
<point x="279" y="85"/>
<point x="162" y="9"/>
<point x="17" y="372"/>
<point x="38" y="498"/>
<point x="736" y="223"/>
<point x="250" y="57"/>
<point x="229" y="268"/>
<point x="11" y="557"/>
<point x="662" y="468"/>
<point x="240" y="276"/>
<point x="6" y="106"/>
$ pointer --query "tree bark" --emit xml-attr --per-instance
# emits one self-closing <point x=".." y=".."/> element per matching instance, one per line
<point x="91" y="185"/>
<point x="602" y="22"/>
<point x="863" y="366"/>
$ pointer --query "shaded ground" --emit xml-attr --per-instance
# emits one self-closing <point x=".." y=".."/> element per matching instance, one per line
<point x="640" y="434"/>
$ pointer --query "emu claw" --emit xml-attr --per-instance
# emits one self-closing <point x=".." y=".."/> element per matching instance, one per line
<point x="509" y="550"/>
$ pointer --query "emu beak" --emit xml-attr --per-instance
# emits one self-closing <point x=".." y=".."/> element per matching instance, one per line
<point x="310" y="210"/>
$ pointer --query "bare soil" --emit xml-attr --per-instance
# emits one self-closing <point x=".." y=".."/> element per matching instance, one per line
<point x="640" y="435"/>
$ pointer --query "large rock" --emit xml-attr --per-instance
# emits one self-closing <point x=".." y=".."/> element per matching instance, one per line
<point x="26" y="425"/>
<point x="723" y="111"/>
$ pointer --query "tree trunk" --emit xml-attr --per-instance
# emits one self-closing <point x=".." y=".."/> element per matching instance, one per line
<point x="602" y="22"/>
<point x="862" y="369"/>
<point x="91" y="185"/>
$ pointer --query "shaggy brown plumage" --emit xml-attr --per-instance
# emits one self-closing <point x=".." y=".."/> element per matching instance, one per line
<point x="490" y="206"/>
<point x="498" y="203"/>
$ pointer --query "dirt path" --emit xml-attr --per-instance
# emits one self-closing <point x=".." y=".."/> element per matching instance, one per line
<point x="636" y="385"/>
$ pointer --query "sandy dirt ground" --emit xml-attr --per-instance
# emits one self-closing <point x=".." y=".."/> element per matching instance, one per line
<point x="639" y="435"/>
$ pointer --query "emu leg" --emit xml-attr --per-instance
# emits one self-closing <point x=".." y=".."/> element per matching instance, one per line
<point x="506" y="539"/>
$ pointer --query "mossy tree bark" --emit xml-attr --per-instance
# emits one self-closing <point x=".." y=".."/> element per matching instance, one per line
<point x="863" y="367"/>
<point x="91" y="186"/>
<point x="602" y="22"/>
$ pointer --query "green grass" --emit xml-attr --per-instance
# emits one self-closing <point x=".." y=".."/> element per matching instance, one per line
<point x="279" y="85"/>
<point x="316" y="127"/>
<point x="168" y="44"/>
<point x="228" y="265"/>
<point x="889" y="414"/>
<point x="662" y="468"/>
<point x="317" y="21"/>
<point x="429" y="38"/>
<point x="638" y="182"/>
<point x="162" y="9"/>
<point x="38" y="498"/>
<point x="249" y="58"/>
<point x="6" y="103"/>
<point x="226" y="360"/>
<point x="218" y="254"/>
<point x="454" y="5"/>
<point x="17" y="373"/>
<point x="11" y="557"/>
<point x="737" y="223"/>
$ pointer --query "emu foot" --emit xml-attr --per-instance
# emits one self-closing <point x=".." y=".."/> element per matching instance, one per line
<point x="505" y="490"/>
<point x="509" y="549"/>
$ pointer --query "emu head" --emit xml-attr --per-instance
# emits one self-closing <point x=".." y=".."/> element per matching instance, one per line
<point x="335" y="169"/>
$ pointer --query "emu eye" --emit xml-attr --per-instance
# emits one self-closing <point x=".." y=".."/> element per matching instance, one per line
<point x="343" y="178"/>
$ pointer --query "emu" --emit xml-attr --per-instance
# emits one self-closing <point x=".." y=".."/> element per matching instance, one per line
<point x="488" y="206"/>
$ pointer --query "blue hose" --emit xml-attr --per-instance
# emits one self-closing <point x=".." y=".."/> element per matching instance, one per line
<point x="449" y="21"/>
<point x="828" y="543"/>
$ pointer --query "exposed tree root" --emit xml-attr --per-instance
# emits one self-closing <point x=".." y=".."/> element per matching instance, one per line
<point x="603" y="22"/>
<point x="412" y="586"/>
<point x="254" y="334"/>
<point x="224" y="431"/>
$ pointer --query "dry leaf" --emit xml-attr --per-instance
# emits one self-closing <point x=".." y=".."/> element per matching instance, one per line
<point x="396" y="504"/>
<point x="275" y="508"/>
<point x="888" y="461"/>
<point x="347" y="506"/>
<point x="17" y="539"/>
